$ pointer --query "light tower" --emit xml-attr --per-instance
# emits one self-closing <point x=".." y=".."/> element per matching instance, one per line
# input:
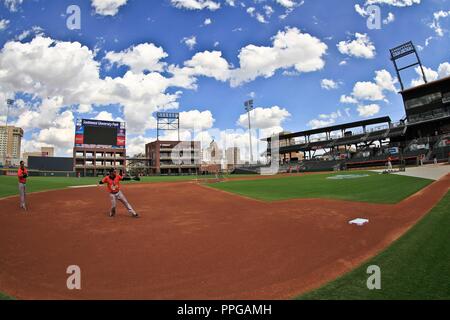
<point x="249" y="107"/>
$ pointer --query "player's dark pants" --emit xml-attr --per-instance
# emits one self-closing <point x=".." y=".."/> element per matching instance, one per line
<point x="119" y="196"/>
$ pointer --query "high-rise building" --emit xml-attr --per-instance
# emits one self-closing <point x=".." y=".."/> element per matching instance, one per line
<point x="233" y="156"/>
<point x="45" y="152"/>
<point x="10" y="144"/>
<point x="213" y="154"/>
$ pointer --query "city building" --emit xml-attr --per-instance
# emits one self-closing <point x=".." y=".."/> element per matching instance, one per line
<point x="173" y="157"/>
<point x="233" y="156"/>
<point x="10" y="144"/>
<point x="45" y="152"/>
<point x="213" y="154"/>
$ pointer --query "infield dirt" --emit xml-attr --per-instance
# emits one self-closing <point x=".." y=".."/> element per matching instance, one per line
<point x="192" y="242"/>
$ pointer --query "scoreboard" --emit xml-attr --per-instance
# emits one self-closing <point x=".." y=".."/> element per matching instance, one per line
<point x="100" y="134"/>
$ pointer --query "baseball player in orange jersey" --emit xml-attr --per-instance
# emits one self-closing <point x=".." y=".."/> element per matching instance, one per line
<point x="112" y="182"/>
<point x="22" y="174"/>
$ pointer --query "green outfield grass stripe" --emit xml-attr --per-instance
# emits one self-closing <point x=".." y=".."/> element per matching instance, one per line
<point x="371" y="187"/>
<point x="8" y="184"/>
<point x="417" y="266"/>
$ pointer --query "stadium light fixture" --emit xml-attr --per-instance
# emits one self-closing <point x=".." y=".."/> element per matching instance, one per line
<point x="402" y="51"/>
<point x="249" y="107"/>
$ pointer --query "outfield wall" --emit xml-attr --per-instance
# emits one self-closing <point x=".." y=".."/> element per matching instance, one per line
<point x="51" y="164"/>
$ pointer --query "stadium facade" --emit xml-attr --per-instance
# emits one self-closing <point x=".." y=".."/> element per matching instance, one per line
<point x="173" y="157"/>
<point x="422" y="135"/>
<point x="99" y="147"/>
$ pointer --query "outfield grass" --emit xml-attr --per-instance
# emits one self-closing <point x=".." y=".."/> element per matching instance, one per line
<point x="376" y="188"/>
<point x="417" y="266"/>
<point x="8" y="185"/>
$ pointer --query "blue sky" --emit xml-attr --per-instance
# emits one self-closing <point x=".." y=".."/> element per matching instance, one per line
<point x="329" y="53"/>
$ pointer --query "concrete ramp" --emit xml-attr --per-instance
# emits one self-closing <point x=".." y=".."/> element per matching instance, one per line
<point x="432" y="171"/>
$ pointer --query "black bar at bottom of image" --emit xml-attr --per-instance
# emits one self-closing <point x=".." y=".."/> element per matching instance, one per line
<point x="181" y="310"/>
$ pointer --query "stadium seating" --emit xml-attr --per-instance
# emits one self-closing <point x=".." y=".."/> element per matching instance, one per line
<point x="321" y="165"/>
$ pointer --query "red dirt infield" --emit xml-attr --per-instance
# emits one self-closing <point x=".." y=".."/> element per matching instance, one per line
<point x="192" y="242"/>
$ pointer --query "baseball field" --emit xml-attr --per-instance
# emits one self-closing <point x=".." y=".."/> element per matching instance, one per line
<point x="255" y="237"/>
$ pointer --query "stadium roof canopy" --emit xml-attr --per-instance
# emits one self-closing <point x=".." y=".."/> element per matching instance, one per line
<point x="344" y="126"/>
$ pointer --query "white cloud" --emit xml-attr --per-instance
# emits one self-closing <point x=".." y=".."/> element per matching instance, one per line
<point x="374" y="91"/>
<point x="13" y="5"/>
<point x="325" y="120"/>
<point x="60" y="134"/>
<point x="107" y="116"/>
<point x="207" y="22"/>
<point x="264" y="118"/>
<point x="231" y="3"/>
<point x="444" y="70"/>
<point x="143" y="57"/>
<point x="348" y="99"/>
<point x="431" y="75"/>
<point x="108" y="7"/>
<point x="365" y="90"/>
<point x="136" y="145"/>
<point x="385" y="80"/>
<point x="436" y="24"/>
<point x="84" y="108"/>
<point x="289" y="6"/>
<point x="34" y="31"/>
<point x="196" y="4"/>
<point x="42" y="116"/>
<point x="287" y="3"/>
<point x="291" y="49"/>
<point x="320" y="123"/>
<point x="268" y="10"/>
<point x="360" y="47"/>
<point x="258" y="16"/>
<point x="68" y="70"/>
<point x="195" y="119"/>
<point x="329" y="84"/>
<point x="368" y="110"/>
<point x="389" y="19"/>
<point x="361" y="10"/>
<point x="48" y="68"/>
<point x="3" y="24"/>
<point x="190" y="42"/>
<point x="395" y="3"/>
<point x="63" y="76"/>
<point x="251" y="10"/>
<point x="209" y="64"/>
